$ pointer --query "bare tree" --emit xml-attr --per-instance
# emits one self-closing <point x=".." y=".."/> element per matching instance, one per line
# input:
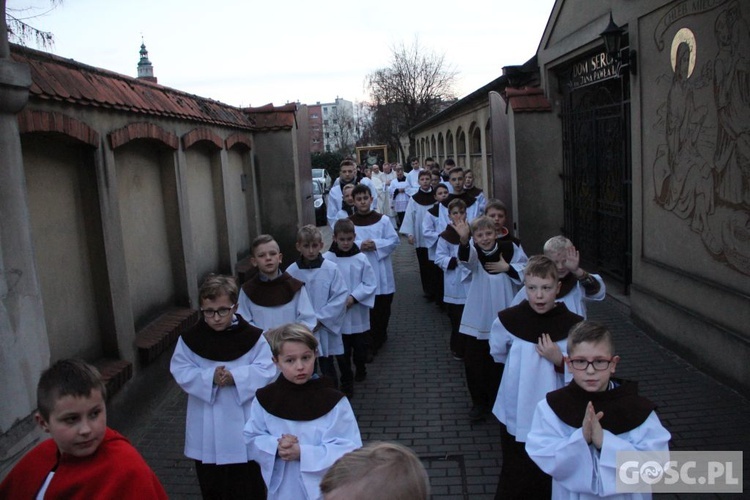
<point x="19" y="29"/>
<point x="410" y="90"/>
<point x="342" y="129"/>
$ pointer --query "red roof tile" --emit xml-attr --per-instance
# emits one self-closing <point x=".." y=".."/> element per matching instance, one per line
<point x="60" y="79"/>
<point x="527" y="99"/>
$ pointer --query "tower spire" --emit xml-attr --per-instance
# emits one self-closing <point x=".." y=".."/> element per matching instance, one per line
<point x="145" y="68"/>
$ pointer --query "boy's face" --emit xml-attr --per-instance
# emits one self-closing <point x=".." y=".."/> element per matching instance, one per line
<point x="559" y="259"/>
<point x="296" y="362"/>
<point x="541" y="292"/>
<point x="348" y="195"/>
<point x="77" y="424"/>
<point x="267" y="257"/>
<point x="498" y="217"/>
<point x="435" y="181"/>
<point x="347" y="173"/>
<point x="362" y="202"/>
<point x="457" y="214"/>
<point x="468" y="180"/>
<point x="485" y="238"/>
<point x="345" y="241"/>
<point x="212" y="310"/>
<point x="457" y="182"/>
<point x="399" y="172"/>
<point x="424" y="182"/>
<point x="441" y="194"/>
<point x="309" y="249"/>
<point x="592" y="380"/>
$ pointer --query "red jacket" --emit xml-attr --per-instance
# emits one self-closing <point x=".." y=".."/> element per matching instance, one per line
<point x="115" y="470"/>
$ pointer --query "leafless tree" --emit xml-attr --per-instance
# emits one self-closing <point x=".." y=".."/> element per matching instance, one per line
<point x="19" y="27"/>
<point x="410" y="90"/>
<point x="342" y="130"/>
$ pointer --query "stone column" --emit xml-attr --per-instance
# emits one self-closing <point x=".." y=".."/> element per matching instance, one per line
<point x="24" y="346"/>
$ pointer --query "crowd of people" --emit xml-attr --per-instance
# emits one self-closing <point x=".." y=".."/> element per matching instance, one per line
<point x="271" y="366"/>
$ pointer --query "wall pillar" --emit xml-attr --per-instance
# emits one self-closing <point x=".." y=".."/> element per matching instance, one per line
<point x="24" y="346"/>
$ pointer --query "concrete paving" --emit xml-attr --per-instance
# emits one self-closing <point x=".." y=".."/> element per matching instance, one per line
<point x="415" y="395"/>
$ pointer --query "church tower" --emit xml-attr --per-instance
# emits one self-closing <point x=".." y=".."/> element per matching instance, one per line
<point x="145" y="68"/>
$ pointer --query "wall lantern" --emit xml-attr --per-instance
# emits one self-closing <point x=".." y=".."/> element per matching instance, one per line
<point x="612" y="37"/>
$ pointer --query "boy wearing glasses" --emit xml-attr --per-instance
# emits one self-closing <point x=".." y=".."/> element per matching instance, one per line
<point x="220" y="363"/>
<point x="577" y="431"/>
<point x="530" y="339"/>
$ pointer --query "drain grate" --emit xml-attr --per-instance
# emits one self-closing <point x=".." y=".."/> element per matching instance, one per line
<point x="447" y="475"/>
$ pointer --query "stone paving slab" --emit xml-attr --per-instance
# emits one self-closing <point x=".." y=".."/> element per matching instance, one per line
<point x="415" y="395"/>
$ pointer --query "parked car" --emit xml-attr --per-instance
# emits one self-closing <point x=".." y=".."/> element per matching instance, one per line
<point x="321" y="174"/>
<point x="319" y="202"/>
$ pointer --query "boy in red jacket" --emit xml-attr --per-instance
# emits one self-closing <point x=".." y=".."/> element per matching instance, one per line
<point x="85" y="459"/>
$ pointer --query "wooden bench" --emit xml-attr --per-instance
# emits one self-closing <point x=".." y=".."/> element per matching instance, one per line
<point x="157" y="336"/>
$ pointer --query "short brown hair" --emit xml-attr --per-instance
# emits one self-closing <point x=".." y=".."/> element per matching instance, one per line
<point x="592" y="332"/>
<point x="496" y="204"/>
<point x="378" y="470"/>
<point x="290" y="332"/>
<point x="361" y="189"/>
<point x="456" y="202"/>
<point x="424" y="173"/>
<point x="216" y="285"/>
<point x="343" y="226"/>
<point x="541" y="267"/>
<point x="67" y="377"/>
<point x="261" y="240"/>
<point x="348" y="163"/>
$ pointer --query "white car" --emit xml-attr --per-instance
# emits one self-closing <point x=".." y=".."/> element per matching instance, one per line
<point x="321" y="175"/>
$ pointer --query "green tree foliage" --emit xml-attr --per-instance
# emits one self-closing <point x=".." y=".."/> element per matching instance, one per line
<point x="414" y="87"/>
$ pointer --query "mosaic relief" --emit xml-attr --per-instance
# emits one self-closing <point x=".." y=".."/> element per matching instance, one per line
<point x="701" y="171"/>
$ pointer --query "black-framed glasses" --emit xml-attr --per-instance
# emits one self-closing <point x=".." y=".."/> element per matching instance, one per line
<point x="223" y="312"/>
<point x="583" y="364"/>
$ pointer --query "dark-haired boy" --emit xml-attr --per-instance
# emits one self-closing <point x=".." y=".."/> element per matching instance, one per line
<point x="456" y="180"/>
<point x="361" y="285"/>
<point x="577" y="431"/>
<point x="84" y="459"/>
<point x="273" y="297"/>
<point x="399" y="194"/>
<point x="416" y="209"/>
<point x="530" y="340"/>
<point x="220" y="363"/>
<point x="377" y="239"/>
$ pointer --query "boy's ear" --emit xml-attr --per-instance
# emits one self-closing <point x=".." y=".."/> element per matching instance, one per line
<point x="615" y="360"/>
<point x="559" y="285"/>
<point x="41" y="422"/>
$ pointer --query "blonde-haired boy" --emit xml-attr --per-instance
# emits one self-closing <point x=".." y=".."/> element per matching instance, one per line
<point x="298" y="425"/>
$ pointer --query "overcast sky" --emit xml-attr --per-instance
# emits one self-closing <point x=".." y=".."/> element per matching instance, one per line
<point x="250" y="53"/>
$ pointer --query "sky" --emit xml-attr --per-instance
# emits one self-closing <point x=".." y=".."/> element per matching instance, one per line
<point x="251" y="53"/>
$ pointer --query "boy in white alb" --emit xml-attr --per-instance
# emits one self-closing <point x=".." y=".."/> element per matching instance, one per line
<point x="416" y="209"/>
<point x="220" y="363"/>
<point x="362" y="283"/>
<point x="530" y="340"/>
<point x="347" y="175"/>
<point x="399" y="194"/>
<point x="328" y="293"/>
<point x="494" y="267"/>
<point x="578" y="430"/>
<point x="377" y="239"/>
<point x="576" y="285"/>
<point x="455" y="276"/>
<point x="272" y="297"/>
<point x="299" y="425"/>
<point x="432" y="226"/>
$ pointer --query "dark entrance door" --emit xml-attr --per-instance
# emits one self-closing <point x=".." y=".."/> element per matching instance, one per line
<point x="597" y="172"/>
